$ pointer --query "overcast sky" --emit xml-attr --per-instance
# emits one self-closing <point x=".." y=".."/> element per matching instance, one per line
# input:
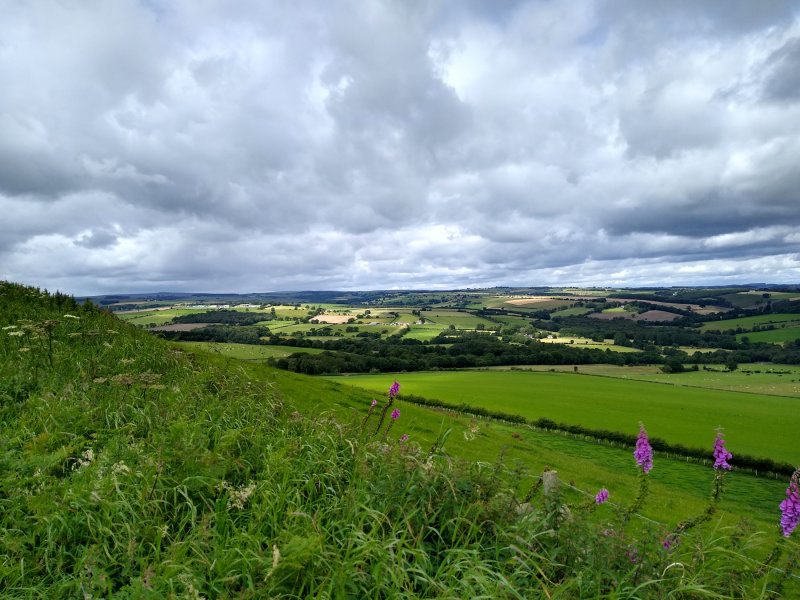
<point x="189" y="145"/>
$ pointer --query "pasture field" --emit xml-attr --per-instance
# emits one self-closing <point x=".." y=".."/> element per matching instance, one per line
<point x="156" y="317"/>
<point x="749" y="322"/>
<point x="575" y="311"/>
<point x="533" y="304"/>
<point x="461" y="320"/>
<point x="287" y="328"/>
<point x="755" y="424"/>
<point x="772" y="336"/>
<point x="245" y="351"/>
<point x="510" y="320"/>
<point x="425" y="332"/>
<point x="587" y="343"/>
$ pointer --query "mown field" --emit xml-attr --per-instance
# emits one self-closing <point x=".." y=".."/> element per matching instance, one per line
<point x="758" y="425"/>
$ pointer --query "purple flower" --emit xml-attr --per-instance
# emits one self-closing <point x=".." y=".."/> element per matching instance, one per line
<point x="394" y="389"/>
<point x="403" y="438"/>
<point x="721" y="455"/>
<point x="395" y="413"/>
<point x="374" y="402"/>
<point x="673" y="539"/>
<point x="643" y="453"/>
<point x="790" y="508"/>
<point x="601" y="496"/>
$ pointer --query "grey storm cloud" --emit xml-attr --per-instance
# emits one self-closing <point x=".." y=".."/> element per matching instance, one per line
<point x="251" y="146"/>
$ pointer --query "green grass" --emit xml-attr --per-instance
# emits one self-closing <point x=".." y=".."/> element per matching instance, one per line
<point x="461" y="320"/>
<point x="755" y="424"/>
<point x="156" y="317"/>
<point x="755" y="378"/>
<point x="773" y="336"/>
<point x="577" y="311"/>
<point x="749" y="322"/>
<point x="424" y="332"/>
<point x="245" y="351"/>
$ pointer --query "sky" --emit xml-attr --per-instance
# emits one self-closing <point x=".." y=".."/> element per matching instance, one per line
<point x="252" y="146"/>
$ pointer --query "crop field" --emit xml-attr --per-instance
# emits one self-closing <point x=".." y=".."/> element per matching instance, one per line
<point x="758" y="425"/>
<point x="245" y="351"/>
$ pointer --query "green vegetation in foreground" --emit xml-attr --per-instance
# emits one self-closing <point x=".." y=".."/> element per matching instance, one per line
<point x="758" y="425"/>
<point x="131" y="470"/>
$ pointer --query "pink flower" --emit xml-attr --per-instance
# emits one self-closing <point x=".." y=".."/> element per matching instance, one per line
<point x="601" y="496"/>
<point x="790" y="508"/>
<point x="395" y="413"/>
<point x="721" y="455"/>
<point x="644" y="452"/>
<point x="672" y="540"/>
<point x="403" y="438"/>
<point x="374" y="402"/>
<point x="394" y="389"/>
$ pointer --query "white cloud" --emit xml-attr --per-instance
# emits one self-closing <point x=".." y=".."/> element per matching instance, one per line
<point x="255" y="146"/>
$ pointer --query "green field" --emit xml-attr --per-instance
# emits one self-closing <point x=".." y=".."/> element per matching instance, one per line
<point x="749" y="322"/>
<point x="768" y="379"/>
<point x="755" y="424"/>
<point x="155" y="317"/>
<point x="461" y="320"/>
<point x="245" y="351"/>
<point x="424" y="332"/>
<point x="773" y="336"/>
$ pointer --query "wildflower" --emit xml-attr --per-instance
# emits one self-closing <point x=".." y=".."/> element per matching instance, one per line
<point x="394" y="389"/>
<point x="70" y="317"/>
<point x="721" y="455"/>
<point x="120" y="467"/>
<point x="672" y="540"/>
<point x="643" y="452"/>
<point x="790" y="508"/>
<point x="403" y="438"/>
<point x="374" y="403"/>
<point x="601" y="496"/>
<point x="395" y="414"/>
<point x="16" y="333"/>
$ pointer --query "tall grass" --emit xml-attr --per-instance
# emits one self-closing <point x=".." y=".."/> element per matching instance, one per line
<point x="129" y="469"/>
